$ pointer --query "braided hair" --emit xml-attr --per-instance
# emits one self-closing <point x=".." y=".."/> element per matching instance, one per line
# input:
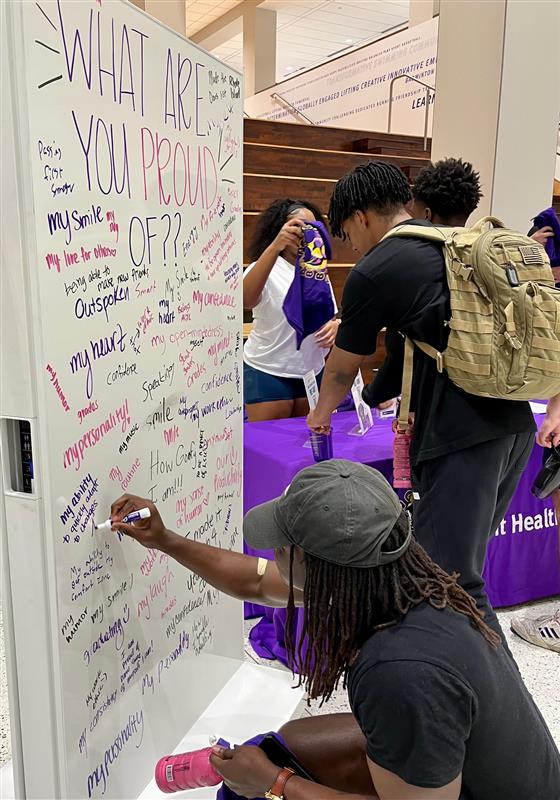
<point x="450" y="188"/>
<point x="374" y="185"/>
<point x="345" y="606"/>
<point x="271" y="221"/>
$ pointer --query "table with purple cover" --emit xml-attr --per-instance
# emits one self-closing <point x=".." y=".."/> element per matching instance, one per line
<point x="522" y="562"/>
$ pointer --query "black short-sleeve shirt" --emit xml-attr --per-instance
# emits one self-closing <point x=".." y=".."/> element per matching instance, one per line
<point x="400" y="284"/>
<point x="434" y="700"/>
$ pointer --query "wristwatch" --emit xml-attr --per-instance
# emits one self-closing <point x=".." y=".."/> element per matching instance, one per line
<point x="276" y="791"/>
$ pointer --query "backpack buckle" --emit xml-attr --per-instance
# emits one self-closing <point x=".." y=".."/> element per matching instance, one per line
<point x="461" y="270"/>
<point x="513" y="341"/>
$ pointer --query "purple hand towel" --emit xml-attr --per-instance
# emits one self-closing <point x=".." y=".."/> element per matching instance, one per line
<point x="549" y="218"/>
<point x="309" y="303"/>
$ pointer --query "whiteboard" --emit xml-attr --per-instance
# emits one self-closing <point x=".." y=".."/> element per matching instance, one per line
<point x="129" y="158"/>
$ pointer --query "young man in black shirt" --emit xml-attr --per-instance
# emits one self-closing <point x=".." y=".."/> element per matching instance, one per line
<point x="467" y="452"/>
<point x="439" y="710"/>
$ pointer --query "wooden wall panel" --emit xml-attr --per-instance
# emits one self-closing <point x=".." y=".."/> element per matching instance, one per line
<point x="313" y="136"/>
<point x="259" y="193"/>
<point x="292" y="161"/>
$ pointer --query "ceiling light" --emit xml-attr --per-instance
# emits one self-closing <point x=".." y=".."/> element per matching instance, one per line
<point x="349" y="41"/>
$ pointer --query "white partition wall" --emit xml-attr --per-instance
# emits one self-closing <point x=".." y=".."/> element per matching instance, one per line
<point x="121" y="338"/>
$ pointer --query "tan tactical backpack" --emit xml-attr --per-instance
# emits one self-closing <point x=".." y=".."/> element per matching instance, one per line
<point x="504" y="330"/>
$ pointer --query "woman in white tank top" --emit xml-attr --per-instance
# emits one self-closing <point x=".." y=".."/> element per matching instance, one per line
<point x="273" y="366"/>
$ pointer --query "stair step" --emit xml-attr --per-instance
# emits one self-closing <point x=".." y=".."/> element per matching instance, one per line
<point x="298" y="161"/>
<point x="325" y="138"/>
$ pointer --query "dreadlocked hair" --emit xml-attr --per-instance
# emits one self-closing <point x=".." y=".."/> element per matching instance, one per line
<point x="271" y="221"/>
<point x="450" y="188"/>
<point x="374" y="185"/>
<point x="345" y="606"/>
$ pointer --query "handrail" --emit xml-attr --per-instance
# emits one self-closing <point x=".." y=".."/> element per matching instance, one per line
<point x="276" y="96"/>
<point x="428" y="90"/>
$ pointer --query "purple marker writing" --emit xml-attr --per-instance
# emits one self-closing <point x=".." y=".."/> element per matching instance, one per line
<point x="134" y="516"/>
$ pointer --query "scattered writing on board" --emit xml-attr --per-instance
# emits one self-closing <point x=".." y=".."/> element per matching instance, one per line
<point x="135" y="140"/>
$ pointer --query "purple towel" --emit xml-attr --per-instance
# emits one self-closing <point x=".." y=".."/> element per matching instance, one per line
<point x="309" y="302"/>
<point x="226" y="794"/>
<point x="549" y="218"/>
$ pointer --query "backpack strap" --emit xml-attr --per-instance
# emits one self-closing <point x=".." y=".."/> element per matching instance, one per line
<point x="430" y="233"/>
<point x="406" y="389"/>
<point x="479" y="226"/>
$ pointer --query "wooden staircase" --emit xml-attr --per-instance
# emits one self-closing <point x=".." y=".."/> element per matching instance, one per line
<point x="304" y="162"/>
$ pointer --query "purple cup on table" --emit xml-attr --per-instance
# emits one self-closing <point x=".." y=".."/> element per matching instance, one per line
<point x="321" y="445"/>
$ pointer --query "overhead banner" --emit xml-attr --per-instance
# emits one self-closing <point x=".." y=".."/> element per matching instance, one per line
<point x="353" y="91"/>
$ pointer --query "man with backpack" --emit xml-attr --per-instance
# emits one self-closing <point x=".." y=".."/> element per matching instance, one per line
<point x="468" y="451"/>
<point x="446" y="193"/>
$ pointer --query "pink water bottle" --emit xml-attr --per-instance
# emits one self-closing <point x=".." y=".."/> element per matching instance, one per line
<point x="321" y="445"/>
<point x="401" y="459"/>
<point x="186" y="771"/>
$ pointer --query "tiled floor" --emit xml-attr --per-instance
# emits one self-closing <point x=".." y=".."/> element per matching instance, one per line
<point x="540" y="669"/>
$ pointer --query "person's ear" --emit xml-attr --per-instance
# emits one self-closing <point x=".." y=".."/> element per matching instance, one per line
<point x="428" y="214"/>
<point x="361" y="218"/>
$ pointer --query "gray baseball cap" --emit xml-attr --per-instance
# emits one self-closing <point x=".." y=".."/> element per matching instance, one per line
<point x="336" y="510"/>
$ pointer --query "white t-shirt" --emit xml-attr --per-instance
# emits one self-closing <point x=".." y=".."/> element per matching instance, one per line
<point x="271" y="346"/>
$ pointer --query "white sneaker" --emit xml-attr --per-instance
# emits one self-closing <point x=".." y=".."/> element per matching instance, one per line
<point x="543" y="631"/>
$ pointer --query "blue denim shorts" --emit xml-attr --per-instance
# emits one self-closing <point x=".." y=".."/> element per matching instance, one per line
<point x="262" y="387"/>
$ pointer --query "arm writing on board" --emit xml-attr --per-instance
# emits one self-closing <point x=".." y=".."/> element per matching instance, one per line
<point x="232" y="573"/>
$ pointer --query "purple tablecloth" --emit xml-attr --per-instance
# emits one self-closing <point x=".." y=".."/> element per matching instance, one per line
<point x="522" y="562"/>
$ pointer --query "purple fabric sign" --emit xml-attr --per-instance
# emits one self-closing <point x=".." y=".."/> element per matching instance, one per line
<point x="309" y="303"/>
<point x="522" y="562"/>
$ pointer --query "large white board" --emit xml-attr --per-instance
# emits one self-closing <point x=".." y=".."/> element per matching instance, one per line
<point x="352" y="91"/>
<point x="130" y="149"/>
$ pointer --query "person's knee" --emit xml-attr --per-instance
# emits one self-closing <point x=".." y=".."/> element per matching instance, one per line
<point x="296" y="733"/>
<point x="332" y="748"/>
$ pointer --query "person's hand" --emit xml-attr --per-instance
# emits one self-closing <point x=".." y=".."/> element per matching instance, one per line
<point x="319" y="422"/>
<point x="289" y="236"/>
<point x="246" y="770"/>
<point x="542" y="235"/>
<point x="387" y="404"/>
<point x="549" y="433"/>
<point x="326" y="335"/>
<point x="149" y="532"/>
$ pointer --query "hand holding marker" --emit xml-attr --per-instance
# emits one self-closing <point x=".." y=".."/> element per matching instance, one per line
<point x="150" y="532"/>
<point x="134" y="516"/>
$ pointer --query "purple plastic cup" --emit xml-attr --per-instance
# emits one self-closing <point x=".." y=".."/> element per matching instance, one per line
<point x="321" y="445"/>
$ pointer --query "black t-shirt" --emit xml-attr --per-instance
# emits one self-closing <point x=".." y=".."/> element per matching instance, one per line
<point x="434" y="699"/>
<point x="400" y="284"/>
